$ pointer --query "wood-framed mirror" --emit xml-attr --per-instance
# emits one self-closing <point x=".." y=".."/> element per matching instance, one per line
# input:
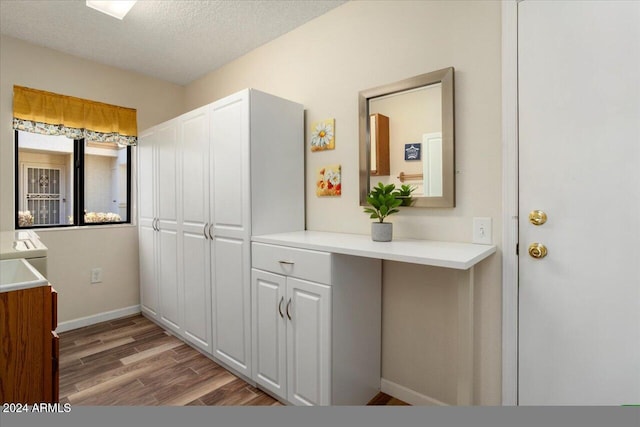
<point x="407" y="137"/>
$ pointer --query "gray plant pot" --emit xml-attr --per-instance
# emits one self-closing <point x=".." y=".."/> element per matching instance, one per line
<point x="381" y="231"/>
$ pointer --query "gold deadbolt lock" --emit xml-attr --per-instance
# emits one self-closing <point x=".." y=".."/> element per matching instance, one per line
<point x="537" y="217"/>
<point x="537" y="250"/>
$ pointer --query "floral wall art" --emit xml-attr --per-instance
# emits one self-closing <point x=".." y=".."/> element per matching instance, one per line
<point x="329" y="181"/>
<point x="323" y="135"/>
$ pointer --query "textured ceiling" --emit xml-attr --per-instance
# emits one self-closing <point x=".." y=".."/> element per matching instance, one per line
<point x="177" y="41"/>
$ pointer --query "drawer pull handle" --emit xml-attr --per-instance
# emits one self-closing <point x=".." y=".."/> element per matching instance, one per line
<point x="288" y="305"/>
<point x="286" y="262"/>
<point x="280" y="307"/>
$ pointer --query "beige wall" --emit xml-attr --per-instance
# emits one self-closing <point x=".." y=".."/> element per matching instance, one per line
<point x="364" y="44"/>
<point x="323" y="65"/>
<point x="73" y="253"/>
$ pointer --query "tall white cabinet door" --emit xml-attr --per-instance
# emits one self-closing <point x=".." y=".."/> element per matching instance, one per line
<point x="309" y="342"/>
<point x="269" y="331"/>
<point x="168" y="279"/>
<point x="167" y="223"/>
<point x="146" y="219"/>
<point x="145" y="152"/>
<point x="196" y="290"/>
<point x="166" y="177"/>
<point x="231" y="304"/>
<point x="231" y="231"/>
<point x="194" y="227"/>
<point x="230" y="143"/>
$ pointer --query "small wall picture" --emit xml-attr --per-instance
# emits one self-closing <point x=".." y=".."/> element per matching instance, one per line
<point x="412" y="151"/>
<point x="329" y="181"/>
<point x="323" y="135"/>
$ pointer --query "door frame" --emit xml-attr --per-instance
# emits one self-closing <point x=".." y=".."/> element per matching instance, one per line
<point x="510" y="197"/>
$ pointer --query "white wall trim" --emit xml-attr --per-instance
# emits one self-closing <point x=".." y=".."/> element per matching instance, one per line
<point x="509" y="202"/>
<point x="97" y="318"/>
<point x="407" y="395"/>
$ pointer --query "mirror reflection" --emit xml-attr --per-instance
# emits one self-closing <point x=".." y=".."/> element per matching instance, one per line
<point x="413" y="125"/>
<point x="406" y="137"/>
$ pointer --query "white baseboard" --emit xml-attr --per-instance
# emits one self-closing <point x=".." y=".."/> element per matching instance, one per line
<point x="407" y="395"/>
<point x="97" y="318"/>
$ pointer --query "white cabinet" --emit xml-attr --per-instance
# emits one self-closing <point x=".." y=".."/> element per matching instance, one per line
<point x="173" y="190"/>
<point x="316" y="325"/>
<point x="257" y="146"/>
<point x="194" y="266"/>
<point x="208" y="180"/>
<point x="309" y="343"/>
<point x="269" y="331"/>
<point x="292" y="322"/>
<point x="158" y="224"/>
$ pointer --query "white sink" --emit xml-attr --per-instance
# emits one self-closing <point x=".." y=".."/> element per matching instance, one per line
<point x="19" y="274"/>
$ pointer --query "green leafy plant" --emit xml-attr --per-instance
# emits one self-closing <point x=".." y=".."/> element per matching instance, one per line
<point x="404" y="194"/>
<point x="383" y="201"/>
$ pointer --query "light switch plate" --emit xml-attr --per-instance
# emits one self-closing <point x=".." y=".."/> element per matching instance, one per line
<point x="96" y="275"/>
<point x="482" y="230"/>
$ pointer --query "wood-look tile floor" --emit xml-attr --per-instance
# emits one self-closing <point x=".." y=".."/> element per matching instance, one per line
<point x="132" y="361"/>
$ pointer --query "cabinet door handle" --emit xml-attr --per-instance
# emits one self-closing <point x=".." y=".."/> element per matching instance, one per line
<point x="211" y="234"/>
<point x="280" y="307"/>
<point x="204" y="230"/>
<point x="157" y="224"/>
<point x="288" y="305"/>
<point x="153" y="224"/>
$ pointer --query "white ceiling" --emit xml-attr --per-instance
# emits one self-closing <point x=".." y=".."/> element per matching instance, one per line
<point x="177" y="41"/>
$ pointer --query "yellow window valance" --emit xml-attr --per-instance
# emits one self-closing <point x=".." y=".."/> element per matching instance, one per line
<point x="53" y="114"/>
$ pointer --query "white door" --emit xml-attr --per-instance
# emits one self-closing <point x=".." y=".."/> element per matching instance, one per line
<point x="308" y="309"/>
<point x="43" y="193"/>
<point x="194" y="227"/>
<point x="579" y="144"/>
<point x="269" y="331"/>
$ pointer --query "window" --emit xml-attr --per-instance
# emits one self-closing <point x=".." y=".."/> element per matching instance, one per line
<point x="61" y="181"/>
<point x="73" y="160"/>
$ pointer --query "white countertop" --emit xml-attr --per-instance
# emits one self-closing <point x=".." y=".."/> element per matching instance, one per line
<point x="16" y="274"/>
<point x="461" y="256"/>
<point x="21" y="244"/>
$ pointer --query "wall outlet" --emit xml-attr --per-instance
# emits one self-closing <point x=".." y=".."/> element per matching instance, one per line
<point x="482" y="230"/>
<point x="96" y="275"/>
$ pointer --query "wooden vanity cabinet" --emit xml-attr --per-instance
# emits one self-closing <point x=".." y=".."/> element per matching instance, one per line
<point x="29" y="346"/>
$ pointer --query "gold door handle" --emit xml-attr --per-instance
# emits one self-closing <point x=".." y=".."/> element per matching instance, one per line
<point x="537" y="217"/>
<point x="537" y="250"/>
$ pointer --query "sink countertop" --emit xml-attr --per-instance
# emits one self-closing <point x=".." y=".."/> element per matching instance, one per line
<point x="16" y="274"/>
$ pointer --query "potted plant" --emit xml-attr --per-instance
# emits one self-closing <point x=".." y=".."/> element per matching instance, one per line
<point x="383" y="203"/>
<point x="404" y="194"/>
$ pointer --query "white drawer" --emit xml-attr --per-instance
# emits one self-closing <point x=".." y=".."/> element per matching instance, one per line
<point x="301" y="263"/>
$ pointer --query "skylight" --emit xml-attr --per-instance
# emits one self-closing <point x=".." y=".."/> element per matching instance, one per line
<point x="116" y="8"/>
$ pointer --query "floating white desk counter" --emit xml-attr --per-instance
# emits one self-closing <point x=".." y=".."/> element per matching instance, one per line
<point x="459" y="256"/>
